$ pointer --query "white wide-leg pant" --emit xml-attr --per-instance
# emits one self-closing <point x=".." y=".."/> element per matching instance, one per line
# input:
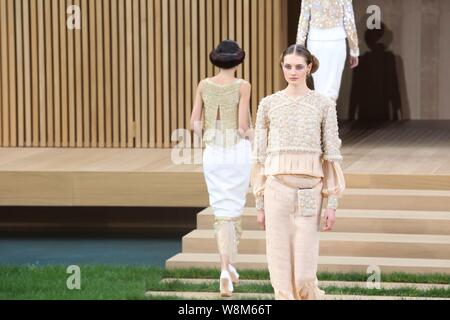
<point x="331" y="55"/>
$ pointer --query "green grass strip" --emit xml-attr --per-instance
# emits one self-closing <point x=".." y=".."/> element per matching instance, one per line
<point x="323" y="276"/>
<point x="131" y="282"/>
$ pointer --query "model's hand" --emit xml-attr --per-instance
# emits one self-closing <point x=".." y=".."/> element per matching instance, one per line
<point x="330" y="219"/>
<point x="261" y="218"/>
<point x="354" y="62"/>
<point x="251" y="135"/>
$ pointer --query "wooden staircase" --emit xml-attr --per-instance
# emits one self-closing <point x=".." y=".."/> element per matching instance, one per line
<point x="395" y="229"/>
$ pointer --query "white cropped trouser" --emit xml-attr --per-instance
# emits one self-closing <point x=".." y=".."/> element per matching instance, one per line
<point x="227" y="175"/>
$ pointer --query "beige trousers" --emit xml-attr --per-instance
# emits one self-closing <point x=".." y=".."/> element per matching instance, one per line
<point x="293" y="206"/>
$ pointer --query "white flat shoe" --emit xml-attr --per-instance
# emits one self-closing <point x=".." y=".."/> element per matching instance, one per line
<point x="234" y="274"/>
<point x="226" y="285"/>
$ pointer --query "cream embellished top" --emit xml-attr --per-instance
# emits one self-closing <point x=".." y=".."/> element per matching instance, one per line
<point x="334" y="19"/>
<point x="297" y="136"/>
<point x="223" y="101"/>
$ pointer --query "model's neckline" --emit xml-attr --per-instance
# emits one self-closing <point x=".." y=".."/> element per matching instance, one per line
<point x="222" y="85"/>
<point x="296" y="98"/>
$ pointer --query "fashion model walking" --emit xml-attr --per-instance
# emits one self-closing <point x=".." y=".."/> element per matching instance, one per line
<point x="225" y="101"/>
<point x="326" y="24"/>
<point x="296" y="163"/>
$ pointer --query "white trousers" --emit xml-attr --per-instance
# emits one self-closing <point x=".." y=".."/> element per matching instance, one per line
<point x="331" y="55"/>
<point x="227" y="175"/>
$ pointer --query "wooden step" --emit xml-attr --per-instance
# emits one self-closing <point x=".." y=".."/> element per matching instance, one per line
<point x="322" y="284"/>
<point x="397" y="181"/>
<point x="333" y="264"/>
<point x="363" y="221"/>
<point x="266" y="296"/>
<point x="337" y="244"/>
<point x="389" y="199"/>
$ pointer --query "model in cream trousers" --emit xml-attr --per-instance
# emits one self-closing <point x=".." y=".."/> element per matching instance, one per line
<point x="292" y="237"/>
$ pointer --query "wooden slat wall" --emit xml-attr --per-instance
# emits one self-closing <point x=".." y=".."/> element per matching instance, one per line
<point x="127" y="79"/>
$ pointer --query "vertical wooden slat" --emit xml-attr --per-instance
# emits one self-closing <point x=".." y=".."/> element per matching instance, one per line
<point x="27" y="72"/>
<point x="195" y="56"/>
<point x="122" y="75"/>
<point x="49" y="71"/>
<point x="85" y="26"/>
<point x="276" y="44"/>
<point x="151" y="71"/>
<point x="188" y="57"/>
<point x="34" y="72"/>
<point x="41" y="73"/>
<point x="64" y="86"/>
<point x="166" y="82"/>
<point x="20" y="76"/>
<point x="4" y="75"/>
<point x="1" y="84"/>
<point x="209" y="34"/>
<point x="129" y="59"/>
<point x="56" y="75"/>
<point x="158" y="63"/>
<point x="71" y="82"/>
<point x="231" y="19"/>
<point x="261" y="49"/>
<point x="268" y="47"/>
<point x="173" y="68"/>
<point x="203" y="31"/>
<point x="78" y="82"/>
<point x="217" y="31"/>
<point x="115" y="73"/>
<point x="137" y="80"/>
<point x="93" y="71"/>
<point x="180" y="65"/>
<point x="144" y="73"/>
<point x="12" y="75"/>
<point x="100" y="75"/>
<point x="246" y="35"/>
<point x="107" y="72"/>
<point x="224" y="17"/>
<point x="254" y="54"/>
<point x="239" y="31"/>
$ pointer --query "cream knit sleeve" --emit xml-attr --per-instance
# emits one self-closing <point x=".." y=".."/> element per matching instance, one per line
<point x="334" y="182"/>
<point x="331" y="143"/>
<point x="258" y="178"/>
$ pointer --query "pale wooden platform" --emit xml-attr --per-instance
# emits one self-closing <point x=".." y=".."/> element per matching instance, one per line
<point x="404" y="155"/>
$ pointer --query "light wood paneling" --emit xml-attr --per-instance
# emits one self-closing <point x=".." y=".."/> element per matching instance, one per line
<point x="128" y="78"/>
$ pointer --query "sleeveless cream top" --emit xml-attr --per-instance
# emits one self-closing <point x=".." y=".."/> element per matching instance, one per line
<point x="221" y="100"/>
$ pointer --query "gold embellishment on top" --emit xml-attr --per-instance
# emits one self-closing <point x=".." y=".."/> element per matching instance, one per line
<point x="222" y="100"/>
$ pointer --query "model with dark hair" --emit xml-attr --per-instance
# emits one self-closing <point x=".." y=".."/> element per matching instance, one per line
<point x="225" y="101"/>
<point x="296" y="163"/>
